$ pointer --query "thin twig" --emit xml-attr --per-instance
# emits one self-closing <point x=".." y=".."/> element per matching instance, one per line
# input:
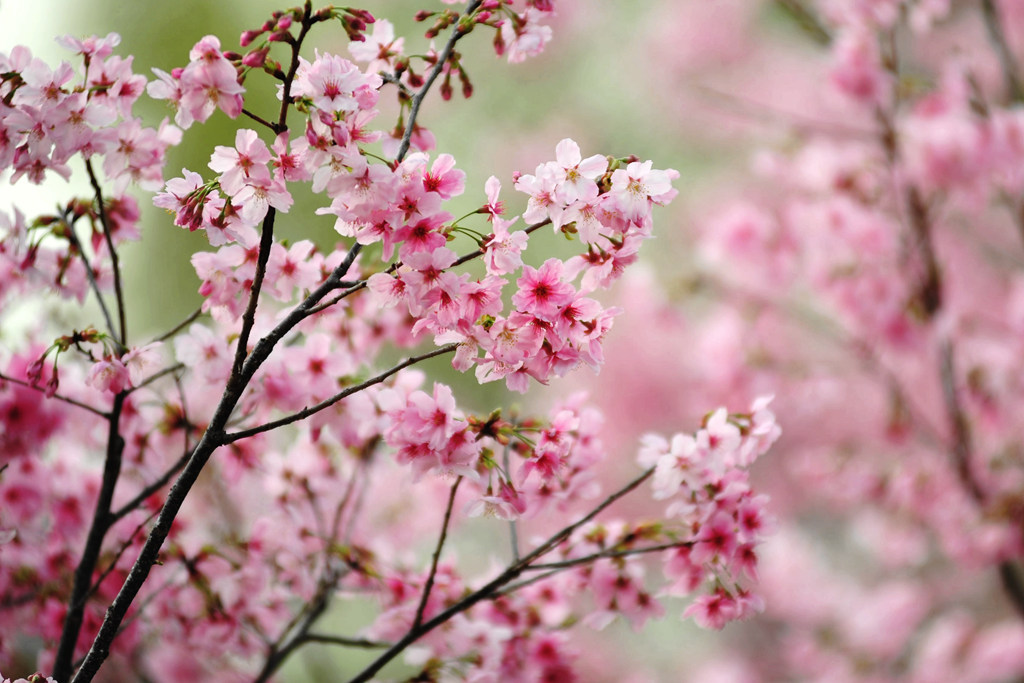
<point x="77" y="244"/>
<point x="346" y="642"/>
<point x="117" y="556"/>
<point x="295" y="635"/>
<point x="249" y="316"/>
<point x="429" y="585"/>
<point x="192" y="317"/>
<point x="169" y="370"/>
<point x="115" y="263"/>
<point x="327" y="403"/>
<point x="362" y="284"/>
<point x="762" y="112"/>
<point x="208" y="443"/>
<point x="59" y="397"/>
<point x="961" y="436"/>
<point x="513" y="524"/>
<point x="931" y="298"/>
<point x="1007" y="61"/>
<point x="607" y="554"/>
<point x="152" y="488"/>
<point x="260" y="120"/>
<point x="388" y="77"/>
<point x="553" y="568"/>
<point x="806" y="20"/>
<point x="339" y="511"/>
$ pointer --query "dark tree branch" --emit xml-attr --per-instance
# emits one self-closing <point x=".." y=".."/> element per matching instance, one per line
<point x="295" y="635"/>
<point x="244" y="368"/>
<point x="417" y="99"/>
<point x="260" y="120"/>
<point x="249" y="317"/>
<point x="170" y="370"/>
<point x="354" y="287"/>
<point x="242" y="372"/>
<point x="101" y="522"/>
<point x="491" y="588"/>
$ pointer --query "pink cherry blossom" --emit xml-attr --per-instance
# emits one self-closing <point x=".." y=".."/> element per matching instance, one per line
<point x="542" y="292"/>
<point x="503" y="249"/>
<point x="637" y="185"/>
<point x="246" y="162"/>
<point x="575" y="176"/>
<point x="443" y="178"/>
<point x="109" y="375"/>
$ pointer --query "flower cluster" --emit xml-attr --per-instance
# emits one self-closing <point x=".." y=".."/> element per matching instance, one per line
<point x="208" y="83"/>
<point x="49" y="115"/>
<point x="705" y="479"/>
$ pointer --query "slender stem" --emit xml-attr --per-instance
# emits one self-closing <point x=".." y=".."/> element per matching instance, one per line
<point x="479" y="252"/>
<point x="170" y="370"/>
<point x="339" y="511"/>
<point x="287" y="644"/>
<point x="762" y="113"/>
<point x="244" y="368"/>
<point x="118" y="609"/>
<point x="553" y="568"/>
<point x="293" y="67"/>
<point x="388" y="77"/>
<point x="961" y="435"/>
<point x="115" y="262"/>
<point x="513" y="525"/>
<point x="77" y="244"/>
<point x="930" y="295"/>
<point x="70" y="401"/>
<point x="607" y="554"/>
<point x="152" y="488"/>
<point x="267" y="238"/>
<point x="343" y="641"/>
<point x="429" y="585"/>
<point x="260" y="120"/>
<point x="327" y="403"/>
<point x="192" y="317"/>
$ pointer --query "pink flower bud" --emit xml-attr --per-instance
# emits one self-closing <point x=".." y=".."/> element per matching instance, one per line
<point x="248" y="37"/>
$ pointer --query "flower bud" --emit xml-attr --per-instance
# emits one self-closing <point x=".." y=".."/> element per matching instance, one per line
<point x="248" y="37"/>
